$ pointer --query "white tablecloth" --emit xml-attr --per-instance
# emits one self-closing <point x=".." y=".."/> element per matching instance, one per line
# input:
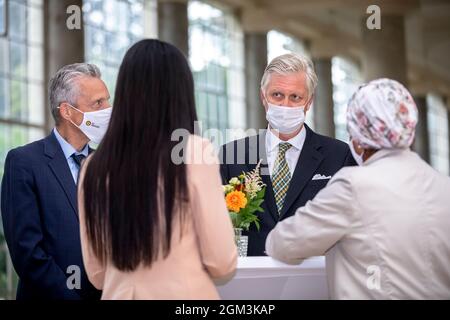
<point x="262" y="278"/>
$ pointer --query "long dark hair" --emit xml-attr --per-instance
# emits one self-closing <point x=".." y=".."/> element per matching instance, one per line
<point x="128" y="219"/>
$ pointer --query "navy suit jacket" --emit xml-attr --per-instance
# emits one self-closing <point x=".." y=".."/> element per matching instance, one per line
<point x="40" y="222"/>
<point x="320" y="155"/>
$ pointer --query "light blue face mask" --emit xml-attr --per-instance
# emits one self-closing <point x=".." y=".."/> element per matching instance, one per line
<point x="358" y="157"/>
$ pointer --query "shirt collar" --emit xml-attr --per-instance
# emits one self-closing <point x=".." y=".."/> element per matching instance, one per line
<point x="67" y="148"/>
<point x="272" y="141"/>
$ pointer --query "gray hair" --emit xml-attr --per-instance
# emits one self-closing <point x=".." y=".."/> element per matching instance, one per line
<point x="290" y="63"/>
<point x="63" y="87"/>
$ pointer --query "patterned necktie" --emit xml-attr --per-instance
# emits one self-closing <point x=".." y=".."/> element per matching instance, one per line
<point x="281" y="175"/>
<point x="78" y="158"/>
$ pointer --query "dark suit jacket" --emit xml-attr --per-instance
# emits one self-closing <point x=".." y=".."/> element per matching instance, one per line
<point x="40" y="221"/>
<point x="320" y="155"/>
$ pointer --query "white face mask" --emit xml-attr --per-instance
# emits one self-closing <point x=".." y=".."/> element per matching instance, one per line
<point x="358" y="157"/>
<point x="285" y="119"/>
<point x="94" y="124"/>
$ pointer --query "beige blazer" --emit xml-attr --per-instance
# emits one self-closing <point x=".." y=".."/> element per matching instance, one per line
<point x="383" y="227"/>
<point x="205" y="251"/>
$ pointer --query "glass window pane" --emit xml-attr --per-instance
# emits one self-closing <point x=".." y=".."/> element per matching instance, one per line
<point x="438" y="133"/>
<point x="36" y="3"/>
<point x="222" y="112"/>
<point x="18" y="135"/>
<point x="2" y="17"/>
<point x="4" y="56"/>
<point x="18" y="59"/>
<point x="35" y="26"/>
<point x="35" y="134"/>
<point x="346" y="78"/>
<point x="236" y="114"/>
<point x="18" y="100"/>
<point x="4" y="101"/>
<point x="4" y="145"/>
<point x="111" y="27"/>
<point x="36" y="112"/>
<point x="36" y="64"/>
<point x="202" y="105"/>
<point x="212" y="108"/>
<point x="17" y="20"/>
<point x="216" y="56"/>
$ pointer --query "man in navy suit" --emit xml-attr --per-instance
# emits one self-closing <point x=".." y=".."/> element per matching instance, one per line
<point x="39" y="192"/>
<point x="296" y="163"/>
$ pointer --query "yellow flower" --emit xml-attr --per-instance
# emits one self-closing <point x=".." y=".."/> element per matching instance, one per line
<point x="234" y="181"/>
<point x="227" y="188"/>
<point x="236" y="200"/>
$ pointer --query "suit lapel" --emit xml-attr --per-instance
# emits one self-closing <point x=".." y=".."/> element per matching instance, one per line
<point x="257" y="151"/>
<point x="308" y="162"/>
<point x="60" y="168"/>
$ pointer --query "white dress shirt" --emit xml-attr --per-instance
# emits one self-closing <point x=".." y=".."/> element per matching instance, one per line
<point x="272" y="142"/>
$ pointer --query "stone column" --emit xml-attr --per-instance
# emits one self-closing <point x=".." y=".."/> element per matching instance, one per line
<point x="384" y="53"/>
<point x="173" y="23"/>
<point x="62" y="46"/>
<point x="150" y="19"/>
<point x="255" y="63"/>
<point x="323" y="99"/>
<point x="421" y="143"/>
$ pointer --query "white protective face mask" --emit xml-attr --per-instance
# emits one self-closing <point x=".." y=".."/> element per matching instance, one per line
<point x="94" y="123"/>
<point x="285" y="119"/>
<point x="358" y="157"/>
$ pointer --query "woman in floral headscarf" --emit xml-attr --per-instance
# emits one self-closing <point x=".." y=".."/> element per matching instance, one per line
<point x="384" y="225"/>
<point x="380" y="115"/>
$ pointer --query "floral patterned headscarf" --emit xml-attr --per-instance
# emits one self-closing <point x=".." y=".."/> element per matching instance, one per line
<point x="382" y="115"/>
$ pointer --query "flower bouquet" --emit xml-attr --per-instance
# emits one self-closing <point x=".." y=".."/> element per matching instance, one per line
<point x="244" y="195"/>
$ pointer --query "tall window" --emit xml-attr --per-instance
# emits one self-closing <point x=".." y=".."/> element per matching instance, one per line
<point x="438" y="133"/>
<point x="217" y="59"/>
<point x="111" y="27"/>
<point x="21" y="75"/>
<point x="346" y="78"/>
<point x="22" y="114"/>
<point x="279" y="43"/>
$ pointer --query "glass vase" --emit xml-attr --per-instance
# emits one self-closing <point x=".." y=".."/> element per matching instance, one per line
<point x="241" y="242"/>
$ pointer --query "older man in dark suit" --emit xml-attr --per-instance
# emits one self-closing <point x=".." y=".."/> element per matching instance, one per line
<point x="39" y="193"/>
<point x="296" y="162"/>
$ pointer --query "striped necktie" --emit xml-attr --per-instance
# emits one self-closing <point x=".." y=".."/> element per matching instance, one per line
<point x="281" y="175"/>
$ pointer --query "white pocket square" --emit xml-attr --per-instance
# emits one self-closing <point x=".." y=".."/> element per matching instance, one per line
<point x="321" y="177"/>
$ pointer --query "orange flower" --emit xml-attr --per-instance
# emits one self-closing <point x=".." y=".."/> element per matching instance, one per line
<point x="236" y="200"/>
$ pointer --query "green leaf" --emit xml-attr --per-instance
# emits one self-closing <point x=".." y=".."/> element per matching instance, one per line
<point x="260" y="194"/>
<point x="257" y="203"/>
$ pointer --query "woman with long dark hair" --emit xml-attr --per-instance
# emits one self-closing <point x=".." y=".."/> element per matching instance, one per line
<point x="154" y="227"/>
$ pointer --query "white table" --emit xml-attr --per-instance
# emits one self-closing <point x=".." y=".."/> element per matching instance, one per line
<point x="261" y="278"/>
